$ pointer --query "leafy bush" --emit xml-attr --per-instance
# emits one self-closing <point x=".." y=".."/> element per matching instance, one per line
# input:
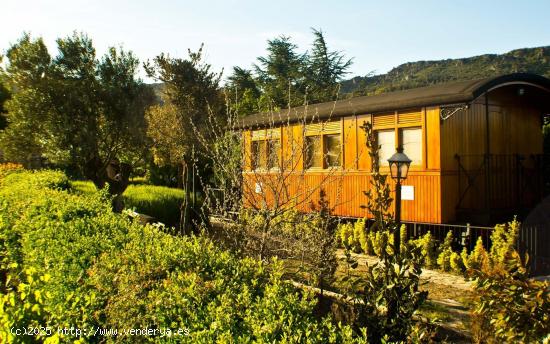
<point x="70" y="261"/>
<point x="9" y="167"/>
<point x="366" y="242"/>
<point x="380" y="242"/>
<point x="478" y="257"/>
<point x="511" y="307"/>
<point x="456" y="261"/>
<point x="354" y="236"/>
<point x="347" y="238"/>
<point x="445" y="253"/>
<point x="427" y="247"/>
<point x="391" y="297"/>
<point x="503" y="241"/>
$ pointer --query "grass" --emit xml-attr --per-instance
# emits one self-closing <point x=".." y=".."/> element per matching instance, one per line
<point x="160" y="202"/>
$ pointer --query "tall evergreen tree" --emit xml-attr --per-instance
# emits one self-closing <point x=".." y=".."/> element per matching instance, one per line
<point x="325" y="69"/>
<point x="281" y="74"/>
<point x="286" y="78"/>
<point x="244" y="93"/>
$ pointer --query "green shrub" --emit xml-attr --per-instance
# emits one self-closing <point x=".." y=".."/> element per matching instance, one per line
<point x="391" y="296"/>
<point x="380" y="242"/>
<point x="349" y="237"/>
<point x="70" y="261"/>
<point x="503" y="241"/>
<point x="478" y="258"/>
<point x="510" y="307"/>
<point x="359" y="235"/>
<point x="403" y="235"/>
<point x="427" y="247"/>
<point x="8" y="168"/>
<point x="445" y="252"/>
<point x="457" y="264"/>
<point x="366" y="242"/>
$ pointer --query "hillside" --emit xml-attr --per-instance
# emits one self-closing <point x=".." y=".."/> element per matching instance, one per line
<point x="424" y="73"/>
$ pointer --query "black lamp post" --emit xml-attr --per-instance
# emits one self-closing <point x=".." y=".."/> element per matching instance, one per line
<point x="399" y="168"/>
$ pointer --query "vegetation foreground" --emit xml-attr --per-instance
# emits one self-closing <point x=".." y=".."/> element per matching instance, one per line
<point x="72" y="270"/>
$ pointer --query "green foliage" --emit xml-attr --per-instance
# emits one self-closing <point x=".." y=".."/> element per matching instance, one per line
<point x="345" y="232"/>
<point x="511" y="307"/>
<point x="8" y="168"/>
<point x="381" y="242"/>
<point x="323" y="244"/>
<point x="4" y="95"/>
<point x="365" y="239"/>
<point x="445" y="252"/>
<point x="378" y="196"/>
<point x="425" y="73"/>
<point x="353" y="235"/>
<point x="73" y="108"/>
<point x="191" y="91"/>
<point x="457" y="263"/>
<point x="391" y="297"/>
<point x="503" y="241"/>
<point x="160" y="202"/>
<point x="324" y="70"/>
<point x="427" y="246"/>
<point x="286" y="78"/>
<point x="70" y="261"/>
<point x="281" y="75"/>
<point x="478" y="258"/>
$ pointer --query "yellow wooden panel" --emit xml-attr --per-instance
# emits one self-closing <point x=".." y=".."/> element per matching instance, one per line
<point x="432" y="135"/>
<point x="298" y="147"/>
<point x="246" y="150"/>
<point x="363" y="158"/>
<point x="350" y="143"/>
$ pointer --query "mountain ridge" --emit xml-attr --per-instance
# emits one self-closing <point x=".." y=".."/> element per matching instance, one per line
<point x="424" y="73"/>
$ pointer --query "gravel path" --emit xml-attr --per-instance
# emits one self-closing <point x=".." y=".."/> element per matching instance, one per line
<point x="433" y="276"/>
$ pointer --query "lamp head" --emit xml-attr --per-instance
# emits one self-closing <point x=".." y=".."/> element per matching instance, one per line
<point x="399" y="164"/>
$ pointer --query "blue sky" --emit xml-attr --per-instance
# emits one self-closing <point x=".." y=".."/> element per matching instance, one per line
<point x="379" y="35"/>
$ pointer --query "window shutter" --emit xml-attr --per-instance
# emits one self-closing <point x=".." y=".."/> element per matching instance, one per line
<point x="258" y="134"/>
<point x="412" y="117"/>
<point x="384" y="120"/>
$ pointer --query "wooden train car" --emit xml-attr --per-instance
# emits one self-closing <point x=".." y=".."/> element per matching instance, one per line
<point x="475" y="147"/>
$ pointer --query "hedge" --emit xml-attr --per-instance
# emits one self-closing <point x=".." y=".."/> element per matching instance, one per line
<point x="67" y="261"/>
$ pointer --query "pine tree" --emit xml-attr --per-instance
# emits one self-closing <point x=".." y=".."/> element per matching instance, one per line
<point x="325" y="69"/>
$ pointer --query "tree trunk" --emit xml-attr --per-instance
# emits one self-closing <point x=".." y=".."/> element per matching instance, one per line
<point x="185" y="205"/>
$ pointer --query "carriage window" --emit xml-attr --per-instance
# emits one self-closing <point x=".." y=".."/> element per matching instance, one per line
<point x="313" y="152"/>
<point x="273" y="153"/>
<point x="332" y="150"/>
<point x="411" y="139"/>
<point x="258" y="155"/>
<point x="386" y="141"/>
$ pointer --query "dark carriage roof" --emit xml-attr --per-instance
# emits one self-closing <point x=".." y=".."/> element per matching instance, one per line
<point x="441" y="94"/>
